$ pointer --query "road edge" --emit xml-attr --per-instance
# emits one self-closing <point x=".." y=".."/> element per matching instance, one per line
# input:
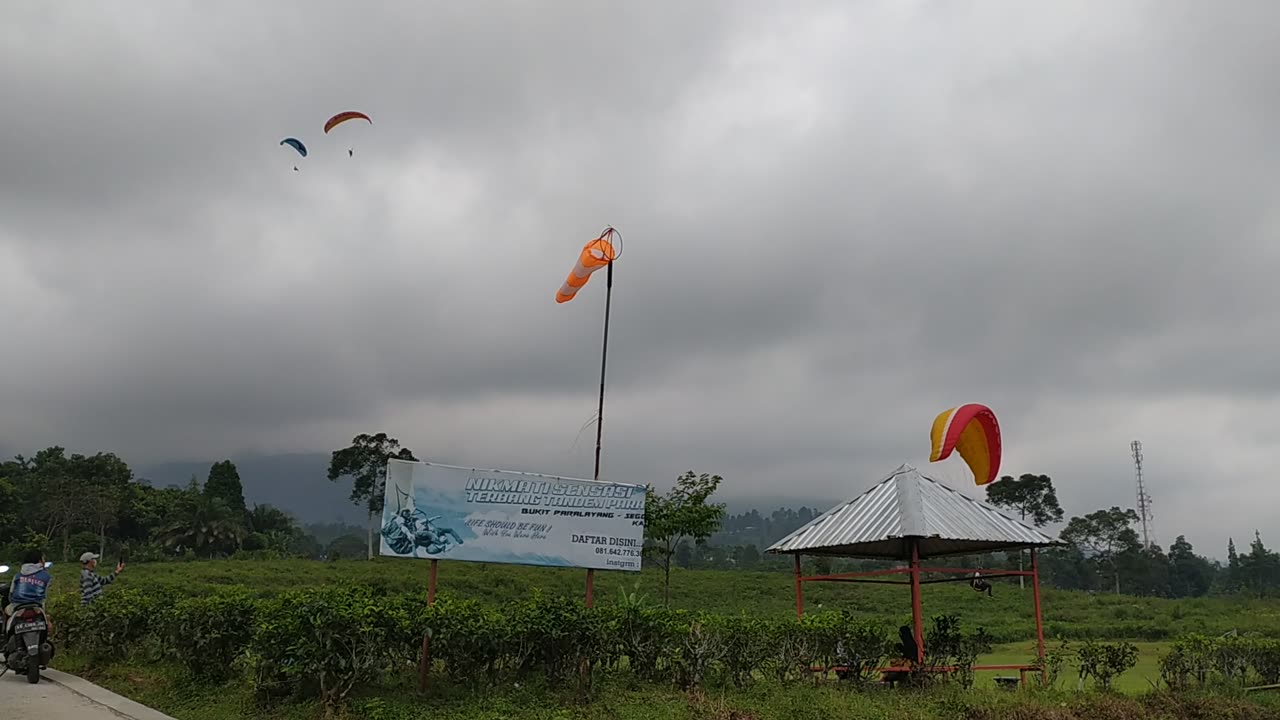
<point x="117" y="704"/>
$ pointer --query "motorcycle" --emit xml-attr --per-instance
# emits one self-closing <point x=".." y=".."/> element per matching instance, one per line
<point x="26" y="635"/>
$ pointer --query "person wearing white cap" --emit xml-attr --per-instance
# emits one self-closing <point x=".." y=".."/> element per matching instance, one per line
<point x="91" y="583"/>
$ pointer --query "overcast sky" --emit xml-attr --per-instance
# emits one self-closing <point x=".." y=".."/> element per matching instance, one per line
<point x="839" y="220"/>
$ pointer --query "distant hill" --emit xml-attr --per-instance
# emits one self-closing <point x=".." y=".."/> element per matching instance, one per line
<point x="296" y="483"/>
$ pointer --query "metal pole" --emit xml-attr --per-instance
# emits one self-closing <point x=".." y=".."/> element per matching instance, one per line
<point x="917" y="619"/>
<point x="799" y="589"/>
<point x="1035" y="595"/>
<point x="604" y="358"/>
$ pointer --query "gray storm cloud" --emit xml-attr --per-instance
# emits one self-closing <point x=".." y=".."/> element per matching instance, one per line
<point x="839" y="221"/>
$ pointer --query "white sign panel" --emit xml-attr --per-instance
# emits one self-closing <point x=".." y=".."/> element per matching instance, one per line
<point x="499" y="516"/>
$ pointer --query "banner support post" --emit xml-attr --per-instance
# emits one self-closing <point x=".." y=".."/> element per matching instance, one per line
<point x="424" y="658"/>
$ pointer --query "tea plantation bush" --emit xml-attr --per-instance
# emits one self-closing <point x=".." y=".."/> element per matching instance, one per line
<point x="1196" y="661"/>
<point x="321" y="642"/>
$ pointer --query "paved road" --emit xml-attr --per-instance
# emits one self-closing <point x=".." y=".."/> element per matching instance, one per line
<point x="45" y="701"/>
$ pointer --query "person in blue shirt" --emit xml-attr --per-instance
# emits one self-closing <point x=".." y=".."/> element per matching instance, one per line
<point x="31" y="586"/>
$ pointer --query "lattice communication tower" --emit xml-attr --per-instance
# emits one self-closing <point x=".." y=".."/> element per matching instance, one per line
<point x="1144" y="499"/>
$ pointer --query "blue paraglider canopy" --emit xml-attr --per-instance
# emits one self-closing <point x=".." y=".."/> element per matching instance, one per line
<point x="296" y="144"/>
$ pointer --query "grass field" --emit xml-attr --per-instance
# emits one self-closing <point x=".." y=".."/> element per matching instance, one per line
<point x="157" y="687"/>
<point x="1143" y="677"/>
<point x="1007" y="616"/>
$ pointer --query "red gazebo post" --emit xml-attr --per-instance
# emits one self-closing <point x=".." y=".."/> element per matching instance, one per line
<point x="1035" y="595"/>
<point x="799" y="589"/>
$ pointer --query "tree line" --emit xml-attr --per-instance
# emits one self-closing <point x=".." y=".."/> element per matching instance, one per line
<point x="69" y="503"/>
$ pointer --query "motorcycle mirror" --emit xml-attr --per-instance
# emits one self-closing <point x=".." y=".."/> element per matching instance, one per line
<point x="4" y="569"/>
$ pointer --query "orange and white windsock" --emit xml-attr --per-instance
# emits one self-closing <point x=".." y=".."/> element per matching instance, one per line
<point x="596" y="254"/>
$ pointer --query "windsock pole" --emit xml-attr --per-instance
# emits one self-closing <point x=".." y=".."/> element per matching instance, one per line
<point x="604" y="358"/>
<point x="595" y="254"/>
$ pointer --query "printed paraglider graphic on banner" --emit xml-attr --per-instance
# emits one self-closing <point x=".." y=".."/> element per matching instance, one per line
<point x="452" y="513"/>
<point x="973" y="430"/>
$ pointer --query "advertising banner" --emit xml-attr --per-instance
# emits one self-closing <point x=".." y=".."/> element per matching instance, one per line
<point x="499" y="516"/>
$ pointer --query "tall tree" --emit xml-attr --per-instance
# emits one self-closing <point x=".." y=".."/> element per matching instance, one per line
<point x="1260" y="569"/>
<point x="1030" y="496"/>
<point x="682" y="513"/>
<point x="104" y="480"/>
<point x="1147" y="569"/>
<point x="1189" y="574"/>
<point x="224" y="484"/>
<point x="365" y="462"/>
<point x="11" y="526"/>
<point x="1106" y="535"/>
<point x="1232" y="582"/>
<point x="746" y="557"/>
<point x="57" y="492"/>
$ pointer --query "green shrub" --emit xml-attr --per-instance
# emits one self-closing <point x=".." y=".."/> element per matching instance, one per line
<point x="1265" y="660"/>
<point x="700" y="647"/>
<point x="1055" y="659"/>
<point x="1197" y="661"/>
<point x="548" y="635"/>
<point x="467" y="636"/>
<point x="67" y="619"/>
<point x="1103" y="662"/>
<point x="119" y="623"/>
<point x="1188" y="662"/>
<point x="645" y="637"/>
<point x="206" y="635"/>
<point x="946" y="645"/>
<point x="321" y="643"/>
<point x="745" y="645"/>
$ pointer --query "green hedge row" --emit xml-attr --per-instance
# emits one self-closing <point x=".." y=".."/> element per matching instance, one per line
<point x="322" y="642"/>
<point x="1199" y="661"/>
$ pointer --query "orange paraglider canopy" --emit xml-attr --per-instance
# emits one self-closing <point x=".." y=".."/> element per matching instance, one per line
<point x="972" y="429"/>
<point x="343" y="117"/>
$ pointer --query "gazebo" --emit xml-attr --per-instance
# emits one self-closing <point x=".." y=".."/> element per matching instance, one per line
<point x="910" y="517"/>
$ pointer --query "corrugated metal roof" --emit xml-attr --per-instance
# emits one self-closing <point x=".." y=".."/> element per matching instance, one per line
<point x="907" y="504"/>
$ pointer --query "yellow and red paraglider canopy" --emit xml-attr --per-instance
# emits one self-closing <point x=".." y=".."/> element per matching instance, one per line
<point x="972" y="429"/>
<point x="343" y="117"/>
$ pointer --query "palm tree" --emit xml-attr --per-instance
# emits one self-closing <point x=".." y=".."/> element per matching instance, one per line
<point x="205" y="525"/>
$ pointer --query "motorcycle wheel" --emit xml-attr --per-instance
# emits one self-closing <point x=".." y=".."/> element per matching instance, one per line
<point x="33" y="670"/>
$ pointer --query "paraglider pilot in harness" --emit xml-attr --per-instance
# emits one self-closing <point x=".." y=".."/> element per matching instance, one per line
<point x="981" y="585"/>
